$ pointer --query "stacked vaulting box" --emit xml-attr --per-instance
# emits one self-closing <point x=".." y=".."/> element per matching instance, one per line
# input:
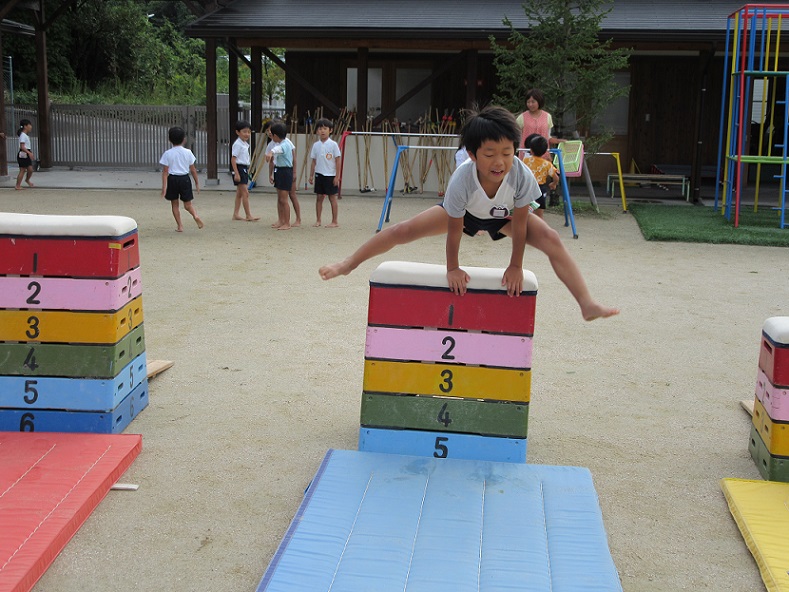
<point x="447" y="375"/>
<point x="769" y="439"/>
<point x="72" y="348"/>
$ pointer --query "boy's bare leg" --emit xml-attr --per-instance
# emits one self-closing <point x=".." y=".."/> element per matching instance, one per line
<point x="19" y="178"/>
<point x="29" y="174"/>
<point x="237" y="209"/>
<point x="431" y="222"/>
<point x="245" y="204"/>
<point x="191" y="209"/>
<point x="318" y="209"/>
<point x="334" y="211"/>
<point x="284" y="208"/>
<point x="296" y="206"/>
<point x="177" y="215"/>
<point x="541" y="236"/>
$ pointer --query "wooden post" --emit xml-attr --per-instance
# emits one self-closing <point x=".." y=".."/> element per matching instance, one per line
<point x="210" y="107"/>
<point x="44" y="111"/>
<point x="471" y="77"/>
<point x="361" y="85"/>
<point x="3" y="126"/>
<point x="257" y="88"/>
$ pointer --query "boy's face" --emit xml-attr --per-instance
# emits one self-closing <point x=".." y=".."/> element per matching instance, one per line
<point x="244" y="134"/>
<point x="494" y="160"/>
<point x="324" y="132"/>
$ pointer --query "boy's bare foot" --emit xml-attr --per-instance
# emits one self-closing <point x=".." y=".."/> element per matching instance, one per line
<point x="18" y="188"/>
<point x="30" y="183"/>
<point x="328" y="272"/>
<point x="333" y="225"/>
<point x="296" y="224"/>
<point x="199" y="223"/>
<point x="276" y="224"/>
<point x="284" y="227"/>
<point x="252" y="218"/>
<point x="238" y="218"/>
<point x="595" y="310"/>
<point x="316" y="225"/>
<point x="179" y="229"/>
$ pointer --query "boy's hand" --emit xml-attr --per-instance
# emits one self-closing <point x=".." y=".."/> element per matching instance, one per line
<point x="513" y="280"/>
<point x="335" y="182"/>
<point x="271" y="179"/>
<point x="236" y="176"/>
<point x="457" y="279"/>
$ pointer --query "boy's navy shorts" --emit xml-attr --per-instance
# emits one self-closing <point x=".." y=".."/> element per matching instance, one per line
<point x="472" y="225"/>
<point x="179" y="186"/>
<point x="283" y="178"/>
<point x="325" y="185"/>
<point x="243" y="174"/>
<point x="24" y="162"/>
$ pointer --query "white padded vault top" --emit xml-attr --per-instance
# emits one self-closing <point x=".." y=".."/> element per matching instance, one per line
<point x="407" y="273"/>
<point x="50" y="225"/>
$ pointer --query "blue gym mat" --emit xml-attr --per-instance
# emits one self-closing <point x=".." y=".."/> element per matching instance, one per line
<point x="388" y="522"/>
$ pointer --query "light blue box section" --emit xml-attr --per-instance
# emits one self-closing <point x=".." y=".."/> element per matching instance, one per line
<point x="95" y="422"/>
<point x="72" y="394"/>
<point x="442" y="445"/>
<point x="394" y="523"/>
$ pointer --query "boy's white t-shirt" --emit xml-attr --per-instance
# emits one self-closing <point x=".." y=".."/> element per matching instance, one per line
<point x="464" y="193"/>
<point x="178" y="159"/>
<point x="24" y="139"/>
<point x="241" y="152"/>
<point x="325" y="155"/>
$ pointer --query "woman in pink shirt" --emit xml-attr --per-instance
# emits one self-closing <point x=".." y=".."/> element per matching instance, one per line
<point x="536" y="121"/>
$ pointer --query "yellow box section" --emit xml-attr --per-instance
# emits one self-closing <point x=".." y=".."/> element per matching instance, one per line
<point x="469" y="382"/>
<point x="775" y="435"/>
<point x="58" y="326"/>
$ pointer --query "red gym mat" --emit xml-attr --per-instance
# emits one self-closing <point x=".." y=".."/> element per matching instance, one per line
<point x="49" y="485"/>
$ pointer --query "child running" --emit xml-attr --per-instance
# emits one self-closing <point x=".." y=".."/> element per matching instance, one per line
<point x="325" y="157"/>
<point x="239" y="162"/>
<point x="491" y="193"/>
<point x="24" y="157"/>
<point x="177" y="164"/>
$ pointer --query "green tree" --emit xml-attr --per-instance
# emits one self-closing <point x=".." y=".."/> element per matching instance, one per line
<point x="562" y="55"/>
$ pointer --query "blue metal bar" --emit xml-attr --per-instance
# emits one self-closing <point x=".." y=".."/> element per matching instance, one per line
<point x="568" y="204"/>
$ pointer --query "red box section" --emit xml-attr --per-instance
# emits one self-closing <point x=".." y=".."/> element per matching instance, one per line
<point x="69" y="257"/>
<point x="475" y="311"/>
<point x="774" y="362"/>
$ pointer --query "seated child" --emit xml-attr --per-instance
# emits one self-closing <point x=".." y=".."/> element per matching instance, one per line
<point x="546" y="174"/>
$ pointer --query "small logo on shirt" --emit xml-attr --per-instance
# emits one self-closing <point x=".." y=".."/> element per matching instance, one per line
<point x="499" y="212"/>
<point x="329" y="156"/>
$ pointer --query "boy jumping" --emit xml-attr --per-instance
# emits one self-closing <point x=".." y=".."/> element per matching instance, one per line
<point x="490" y="193"/>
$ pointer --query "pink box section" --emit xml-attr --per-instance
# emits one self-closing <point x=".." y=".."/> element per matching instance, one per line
<point x="458" y="347"/>
<point x="774" y="399"/>
<point x="70" y="294"/>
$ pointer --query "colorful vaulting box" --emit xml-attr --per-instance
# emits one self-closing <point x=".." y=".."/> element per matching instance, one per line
<point x="72" y="348"/>
<point x="447" y="375"/>
<point x="774" y="353"/>
<point x="769" y="437"/>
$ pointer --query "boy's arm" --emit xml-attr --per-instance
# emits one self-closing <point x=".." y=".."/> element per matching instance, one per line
<point x="513" y="275"/>
<point x="234" y="166"/>
<point x="165" y="172"/>
<point x="456" y="277"/>
<point x="193" y="170"/>
<point x="311" y="176"/>
<point x="338" y="175"/>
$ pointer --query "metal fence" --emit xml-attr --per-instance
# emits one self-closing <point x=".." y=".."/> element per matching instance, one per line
<point x="121" y="136"/>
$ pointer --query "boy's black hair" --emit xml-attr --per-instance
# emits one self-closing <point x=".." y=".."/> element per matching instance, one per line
<point x="22" y="124"/>
<point x="177" y="135"/>
<point x="537" y="144"/>
<point x="491" y="123"/>
<point x="278" y="129"/>
<point x="323" y="122"/>
<point x="241" y="125"/>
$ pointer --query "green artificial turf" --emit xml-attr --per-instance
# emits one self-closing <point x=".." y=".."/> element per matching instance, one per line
<point x="704" y="224"/>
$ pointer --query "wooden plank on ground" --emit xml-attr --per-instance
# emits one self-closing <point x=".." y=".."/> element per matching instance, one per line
<point x="748" y="406"/>
<point x="156" y="367"/>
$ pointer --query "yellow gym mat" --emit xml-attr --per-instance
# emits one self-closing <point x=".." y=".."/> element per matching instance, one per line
<point x="761" y="511"/>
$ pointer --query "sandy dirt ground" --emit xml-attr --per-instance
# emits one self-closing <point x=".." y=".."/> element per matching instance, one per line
<point x="268" y="376"/>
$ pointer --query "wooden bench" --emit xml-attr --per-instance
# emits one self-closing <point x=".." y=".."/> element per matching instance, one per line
<point x="649" y="179"/>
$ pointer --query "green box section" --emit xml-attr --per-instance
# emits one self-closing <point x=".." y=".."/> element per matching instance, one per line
<point x="443" y="414"/>
<point x="71" y="361"/>
<point x="772" y="468"/>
